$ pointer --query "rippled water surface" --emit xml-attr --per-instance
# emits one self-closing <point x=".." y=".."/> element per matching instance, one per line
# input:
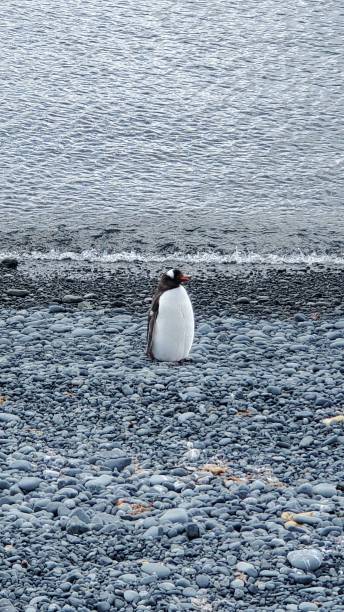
<point x="172" y="125"/>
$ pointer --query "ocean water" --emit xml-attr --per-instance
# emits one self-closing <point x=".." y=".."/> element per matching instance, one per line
<point x="144" y="129"/>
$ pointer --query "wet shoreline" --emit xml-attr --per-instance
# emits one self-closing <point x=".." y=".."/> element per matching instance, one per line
<point x="237" y="290"/>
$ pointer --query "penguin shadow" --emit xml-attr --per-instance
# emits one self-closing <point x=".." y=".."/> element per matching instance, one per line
<point x="172" y="364"/>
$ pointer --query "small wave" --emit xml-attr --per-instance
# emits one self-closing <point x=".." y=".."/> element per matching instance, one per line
<point x="236" y="257"/>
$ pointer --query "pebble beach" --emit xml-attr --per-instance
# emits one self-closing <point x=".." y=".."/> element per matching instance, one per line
<point x="214" y="485"/>
<point x="136" y="138"/>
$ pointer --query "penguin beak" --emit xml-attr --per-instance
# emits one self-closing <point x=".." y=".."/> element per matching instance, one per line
<point x="185" y="278"/>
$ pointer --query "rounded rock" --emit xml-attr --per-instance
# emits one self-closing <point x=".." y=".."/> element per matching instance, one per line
<point x="29" y="484"/>
<point x="203" y="581"/>
<point x="156" y="569"/>
<point x="175" y="515"/>
<point x="309" y="559"/>
<point x="325" y="489"/>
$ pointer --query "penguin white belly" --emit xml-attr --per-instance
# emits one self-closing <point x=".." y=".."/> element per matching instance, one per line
<point x="174" y="326"/>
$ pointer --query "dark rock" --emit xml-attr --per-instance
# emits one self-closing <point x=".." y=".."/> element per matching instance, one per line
<point x="72" y="299"/>
<point x="17" y="292"/>
<point x="118" y="463"/>
<point x="192" y="531"/>
<point x="9" y="262"/>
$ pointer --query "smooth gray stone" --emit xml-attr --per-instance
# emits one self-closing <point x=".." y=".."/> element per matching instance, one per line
<point x="76" y="527"/>
<point x="305" y="489"/>
<point x="185" y="416"/>
<point x="72" y="299"/>
<point x="306" y="519"/>
<point x="7" y="417"/>
<point x="308" y="606"/>
<point x="308" y="559"/>
<point x="21" y="465"/>
<point x="306" y="441"/>
<point x="56" y="308"/>
<point x="156" y="569"/>
<point x="204" y="329"/>
<point x="203" y="581"/>
<point x="247" y="568"/>
<point x="61" y="328"/>
<point x="98" y="483"/>
<point x="175" y="515"/>
<point x="118" y="463"/>
<point x="29" y="483"/>
<point x="7" y="606"/>
<point x="81" y="332"/>
<point x="130" y="595"/>
<point x="152" y="533"/>
<point x="325" y="489"/>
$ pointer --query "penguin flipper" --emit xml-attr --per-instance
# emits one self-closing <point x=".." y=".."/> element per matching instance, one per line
<point x="152" y="316"/>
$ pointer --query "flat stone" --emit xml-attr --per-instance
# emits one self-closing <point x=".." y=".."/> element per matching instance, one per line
<point x="118" y="463"/>
<point x="175" y="515"/>
<point x="204" y="329"/>
<point x="98" y="483"/>
<point x="7" y="606"/>
<point x="247" y="568"/>
<point x="72" y="299"/>
<point x="300" y="577"/>
<point x="156" y="569"/>
<point x="7" y="417"/>
<point x="339" y="343"/>
<point x="130" y="595"/>
<point x="325" y="489"/>
<point x="21" y="465"/>
<point x="17" y="292"/>
<point x="7" y="500"/>
<point x="82" y="332"/>
<point x="306" y="441"/>
<point x="308" y="606"/>
<point x="56" y="308"/>
<point x="76" y="527"/>
<point x="185" y="416"/>
<point x="29" y="483"/>
<point x="152" y="533"/>
<point x="308" y="559"/>
<point x="306" y="519"/>
<point x="61" y="328"/>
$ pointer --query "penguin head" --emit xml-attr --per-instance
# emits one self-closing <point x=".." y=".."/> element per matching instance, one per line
<point x="173" y="278"/>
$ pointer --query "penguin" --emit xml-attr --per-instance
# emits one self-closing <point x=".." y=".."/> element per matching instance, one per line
<point x="171" y="324"/>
